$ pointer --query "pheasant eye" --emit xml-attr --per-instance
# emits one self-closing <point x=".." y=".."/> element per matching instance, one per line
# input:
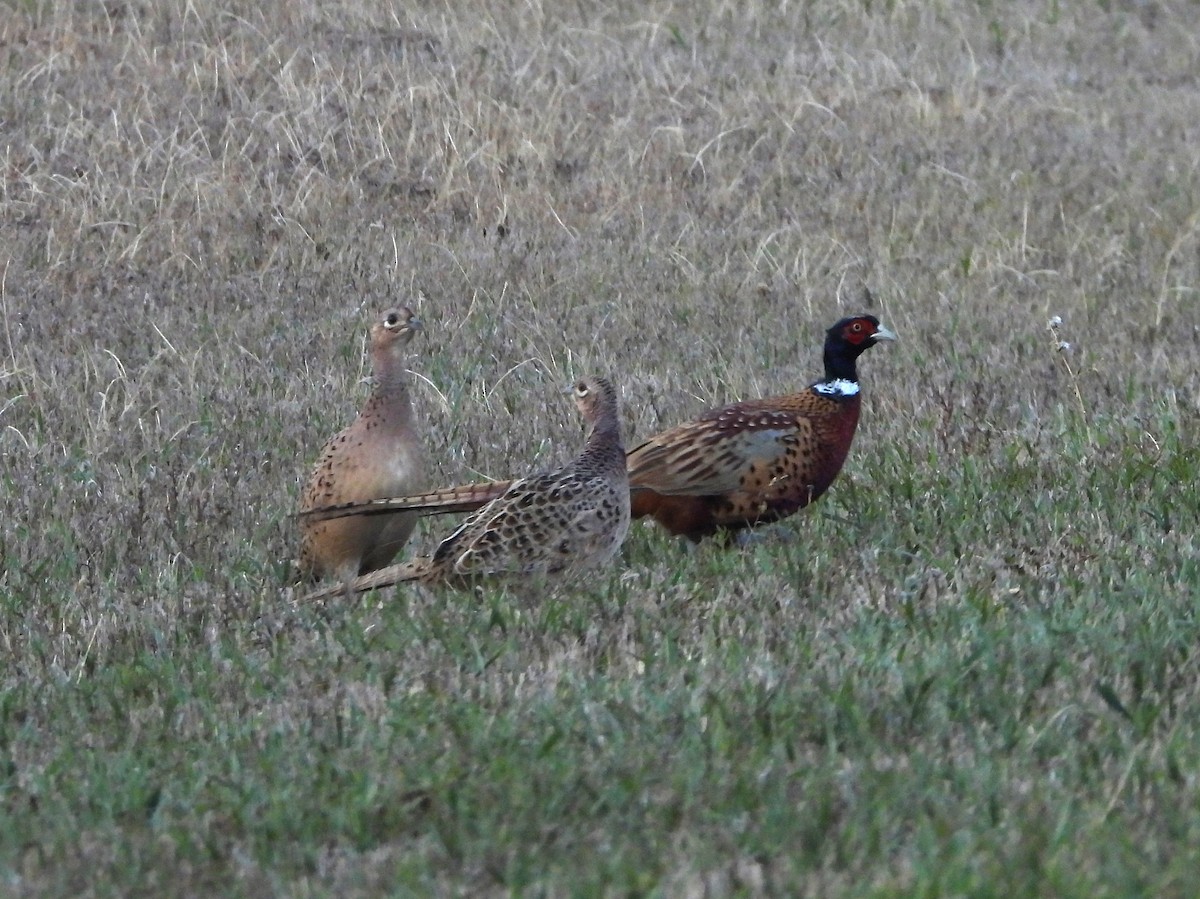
<point x="581" y="389"/>
<point x="856" y="327"/>
<point x="391" y="320"/>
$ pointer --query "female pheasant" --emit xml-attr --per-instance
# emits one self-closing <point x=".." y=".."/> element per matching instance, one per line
<point x="561" y="521"/>
<point x="379" y="454"/>
<point x="733" y="467"/>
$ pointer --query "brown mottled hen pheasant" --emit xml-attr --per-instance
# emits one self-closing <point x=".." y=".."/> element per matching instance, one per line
<point x="733" y="467"/>
<point x="378" y="455"/>
<point x="560" y="521"/>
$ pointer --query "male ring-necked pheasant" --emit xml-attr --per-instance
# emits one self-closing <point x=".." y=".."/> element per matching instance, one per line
<point x="378" y="455"/>
<point x="557" y="522"/>
<point x="735" y="466"/>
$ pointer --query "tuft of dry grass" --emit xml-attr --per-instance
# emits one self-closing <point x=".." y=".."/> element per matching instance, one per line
<point x="968" y="670"/>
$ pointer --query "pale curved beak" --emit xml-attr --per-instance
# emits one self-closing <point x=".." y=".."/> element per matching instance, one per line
<point x="884" y="334"/>
<point x="415" y="324"/>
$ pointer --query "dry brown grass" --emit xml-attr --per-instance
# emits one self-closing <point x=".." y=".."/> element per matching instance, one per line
<point x="202" y="204"/>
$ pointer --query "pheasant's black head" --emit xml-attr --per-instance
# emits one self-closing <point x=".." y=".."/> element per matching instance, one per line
<point x="847" y="340"/>
<point x="859" y="331"/>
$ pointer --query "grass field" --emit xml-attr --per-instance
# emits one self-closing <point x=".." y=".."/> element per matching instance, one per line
<point x="972" y="669"/>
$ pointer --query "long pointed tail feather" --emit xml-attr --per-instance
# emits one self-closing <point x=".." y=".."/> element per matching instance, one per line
<point x="466" y="498"/>
<point x="445" y="501"/>
<point x="385" y="577"/>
